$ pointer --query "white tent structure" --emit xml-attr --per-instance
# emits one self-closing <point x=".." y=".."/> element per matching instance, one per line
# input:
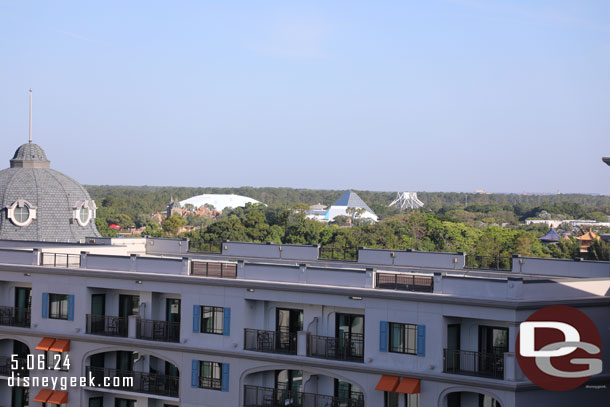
<point x="219" y="201"/>
<point x="407" y="200"/>
<point x="349" y="199"/>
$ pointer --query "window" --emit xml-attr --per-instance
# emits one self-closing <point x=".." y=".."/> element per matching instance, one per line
<point x="83" y="215"/>
<point x="21" y="213"/>
<point x="403" y="338"/>
<point x="411" y="400"/>
<point x="390" y="399"/>
<point x="57" y="360"/>
<point x="487" y="401"/>
<point x="58" y="306"/>
<point x="212" y="320"/>
<point x="210" y="375"/>
<point x="83" y="212"/>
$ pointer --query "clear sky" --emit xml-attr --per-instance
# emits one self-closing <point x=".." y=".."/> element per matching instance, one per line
<point x="435" y="95"/>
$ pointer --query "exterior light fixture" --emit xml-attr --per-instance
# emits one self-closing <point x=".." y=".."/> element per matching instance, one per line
<point x="27" y="274"/>
<point x="138" y="281"/>
<point x="250" y="290"/>
<point x="355" y="298"/>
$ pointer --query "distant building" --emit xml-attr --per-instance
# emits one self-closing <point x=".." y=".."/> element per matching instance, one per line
<point x="174" y="208"/>
<point x="586" y="240"/>
<point x="349" y="199"/>
<point x="219" y="201"/>
<point x="407" y="200"/>
<point x="551" y="237"/>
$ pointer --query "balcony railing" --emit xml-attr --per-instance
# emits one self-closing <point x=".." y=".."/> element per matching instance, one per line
<point x="405" y="282"/>
<point x="149" y="383"/>
<point x="255" y="396"/>
<point x="13" y="316"/>
<point x="162" y="331"/>
<point x="349" y="348"/>
<point x="6" y="367"/>
<point x="473" y="363"/>
<point x="60" y="260"/>
<point x="106" y="325"/>
<point x="270" y="341"/>
<point x="214" y="269"/>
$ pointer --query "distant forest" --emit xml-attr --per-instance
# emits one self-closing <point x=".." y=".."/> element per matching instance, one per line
<point x="140" y="202"/>
<point x="489" y="227"/>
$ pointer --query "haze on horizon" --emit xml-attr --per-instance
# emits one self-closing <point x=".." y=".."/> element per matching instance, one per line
<point x="442" y="95"/>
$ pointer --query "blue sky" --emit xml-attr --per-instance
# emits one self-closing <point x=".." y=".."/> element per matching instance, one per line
<point x="451" y="95"/>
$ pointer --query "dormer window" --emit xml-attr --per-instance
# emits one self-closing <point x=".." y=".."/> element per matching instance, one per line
<point x="21" y="213"/>
<point x="84" y="211"/>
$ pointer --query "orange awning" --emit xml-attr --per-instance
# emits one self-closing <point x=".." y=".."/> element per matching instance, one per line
<point x="43" y="395"/>
<point x="59" y="397"/>
<point x="45" y="344"/>
<point x="387" y="383"/>
<point x="408" y="386"/>
<point x="61" y="345"/>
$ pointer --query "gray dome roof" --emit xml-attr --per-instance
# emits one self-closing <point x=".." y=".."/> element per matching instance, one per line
<point x="53" y="197"/>
<point x="30" y="151"/>
<point x="30" y="156"/>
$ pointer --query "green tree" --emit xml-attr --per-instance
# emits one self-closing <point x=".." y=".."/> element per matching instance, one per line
<point x="172" y="224"/>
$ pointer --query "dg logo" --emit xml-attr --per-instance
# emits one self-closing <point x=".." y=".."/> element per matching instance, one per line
<point x="559" y="348"/>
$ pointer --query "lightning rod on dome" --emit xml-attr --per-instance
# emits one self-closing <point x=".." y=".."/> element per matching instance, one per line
<point x="30" y="115"/>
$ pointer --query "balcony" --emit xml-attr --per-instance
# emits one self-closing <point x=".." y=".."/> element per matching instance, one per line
<point x="405" y="282"/>
<point x="349" y="348"/>
<point x="255" y="396"/>
<point x="473" y="363"/>
<point x="106" y="325"/>
<point x="270" y="341"/>
<point x="162" y="331"/>
<point x="12" y="316"/>
<point x="141" y="382"/>
<point x="6" y="364"/>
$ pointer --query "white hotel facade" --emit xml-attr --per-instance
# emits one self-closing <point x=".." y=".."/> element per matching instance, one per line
<point x="274" y="325"/>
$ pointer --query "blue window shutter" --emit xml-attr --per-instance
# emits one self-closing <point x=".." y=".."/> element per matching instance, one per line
<point x="225" y="377"/>
<point x="45" y="305"/>
<point x="70" y="308"/>
<point x="195" y="374"/>
<point x="421" y="340"/>
<point x="196" y="318"/>
<point x="383" y="336"/>
<point x="226" y="324"/>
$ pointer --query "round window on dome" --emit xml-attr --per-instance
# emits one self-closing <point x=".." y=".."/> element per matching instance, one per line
<point x="83" y="214"/>
<point x="21" y="213"/>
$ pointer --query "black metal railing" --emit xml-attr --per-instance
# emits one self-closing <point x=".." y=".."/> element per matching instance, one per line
<point x="206" y="246"/>
<point x="489" y="262"/>
<point x="139" y="382"/>
<point x="349" y="348"/>
<point x="339" y="253"/>
<point x="162" y="331"/>
<point x="6" y="367"/>
<point x="213" y="269"/>
<point x="210" y="383"/>
<point x="256" y="396"/>
<point x="405" y="282"/>
<point x="106" y="325"/>
<point x="14" y="316"/>
<point x="60" y="260"/>
<point x="474" y="363"/>
<point x="282" y="341"/>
